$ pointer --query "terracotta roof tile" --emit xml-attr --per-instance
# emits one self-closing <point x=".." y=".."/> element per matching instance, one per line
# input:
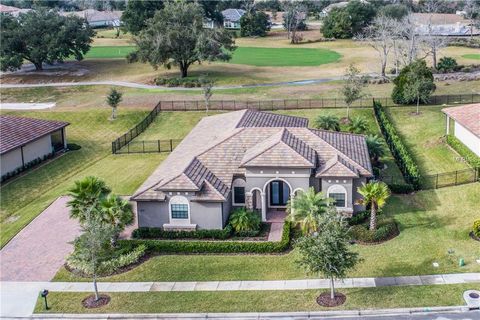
<point x="18" y="131"/>
<point x="467" y="116"/>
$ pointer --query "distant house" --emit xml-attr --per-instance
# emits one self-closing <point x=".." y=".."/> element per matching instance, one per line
<point x="443" y="24"/>
<point x="336" y="5"/>
<point x="98" y="19"/>
<point x="467" y="125"/>
<point x="231" y="18"/>
<point x="14" y="11"/>
<point x="23" y="140"/>
<point x="251" y="159"/>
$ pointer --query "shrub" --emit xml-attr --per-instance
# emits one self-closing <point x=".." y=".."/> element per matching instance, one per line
<point x="471" y="158"/>
<point x="358" y="125"/>
<point x="328" y="122"/>
<point x="358" y="218"/>
<point x="386" y="227"/>
<point x="73" y="146"/>
<point x="476" y="228"/>
<point x="402" y="156"/>
<point x="126" y="256"/>
<point x="176" y="82"/>
<point x="244" y="220"/>
<point x="401" y="188"/>
<point x="171" y="246"/>
<point x="158" y="233"/>
<point x="447" y="64"/>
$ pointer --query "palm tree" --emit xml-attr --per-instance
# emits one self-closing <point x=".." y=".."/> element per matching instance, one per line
<point x="376" y="148"/>
<point x="375" y="194"/>
<point x="117" y="212"/>
<point x="87" y="192"/>
<point x="307" y="209"/>
<point x="327" y="122"/>
<point x="358" y="125"/>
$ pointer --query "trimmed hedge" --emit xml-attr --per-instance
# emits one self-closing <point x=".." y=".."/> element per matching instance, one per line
<point x="359" y="218"/>
<point x="195" y="246"/>
<point x="471" y="158"/>
<point x="158" y="233"/>
<point x="401" y="188"/>
<point x="402" y="156"/>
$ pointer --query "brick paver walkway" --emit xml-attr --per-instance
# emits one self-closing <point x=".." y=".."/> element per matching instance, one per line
<point x="38" y="251"/>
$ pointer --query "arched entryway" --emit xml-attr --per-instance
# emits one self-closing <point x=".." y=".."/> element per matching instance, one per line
<point x="278" y="194"/>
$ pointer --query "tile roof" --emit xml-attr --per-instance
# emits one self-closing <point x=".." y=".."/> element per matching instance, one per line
<point x="217" y="149"/>
<point x="253" y="118"/>
<point x="467" y="115"/>
<point x="337" y="167"/>
<point x="18" y="131"/>
<point x="233" y="15"/>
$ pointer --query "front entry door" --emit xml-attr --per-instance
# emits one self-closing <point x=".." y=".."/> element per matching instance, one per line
<point x="279" y="194"/>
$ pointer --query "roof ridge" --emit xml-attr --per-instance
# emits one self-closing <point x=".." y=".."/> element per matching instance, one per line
<point x="287" y="133"/>
<point x="340" y="152"/>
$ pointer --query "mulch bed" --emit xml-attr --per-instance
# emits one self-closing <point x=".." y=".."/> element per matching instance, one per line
<point x="90" y="303"/>
<point x="325" y="301"/>
<point x="474" y="237"/>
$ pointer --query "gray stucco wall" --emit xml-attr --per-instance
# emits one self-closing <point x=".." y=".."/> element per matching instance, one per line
<point x="297" y="178"/>
<point x="207" y="215"/>
<point x="357" y="196"/>
<point x="10" y="161"/>
<point x="347" y="183"/>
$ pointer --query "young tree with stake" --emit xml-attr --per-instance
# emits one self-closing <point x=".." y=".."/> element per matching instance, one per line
<point x="207" y="86"/>
<point x="352" y="88"/>
<point x="113" y="99"/>
<point x="327" y="252"/>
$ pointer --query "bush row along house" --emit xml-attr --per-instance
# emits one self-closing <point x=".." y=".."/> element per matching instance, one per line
<point x="251" y="159"/>
<point x="23" y="140"/>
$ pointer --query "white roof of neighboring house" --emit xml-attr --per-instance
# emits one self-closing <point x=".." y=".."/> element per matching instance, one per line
<point x="14" y="11"/>
<point x="233" y="15"/>
<point x="467" y="116"/>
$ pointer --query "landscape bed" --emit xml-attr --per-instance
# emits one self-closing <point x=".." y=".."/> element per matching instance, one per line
<point x="258" y="301"/>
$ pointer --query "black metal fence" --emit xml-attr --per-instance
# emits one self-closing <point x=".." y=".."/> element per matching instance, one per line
<point x="126" y="138"/>
<point x="440" y="180"/>
<point x="149" y="146"/>
<point x="292" y="104"/>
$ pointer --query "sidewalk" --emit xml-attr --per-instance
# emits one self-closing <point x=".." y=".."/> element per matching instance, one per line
<point x="253" y="285"/>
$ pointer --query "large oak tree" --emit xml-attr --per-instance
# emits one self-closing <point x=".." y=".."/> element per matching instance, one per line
<point x="42" y="36"/>
<point x="175" y="36"/>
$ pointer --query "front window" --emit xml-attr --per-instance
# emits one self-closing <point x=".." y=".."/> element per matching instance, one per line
<point x="179" y="211"/>
<point x="339" y="199"/>
<point x="238" y="187"/>
<point x="239" y="195"/>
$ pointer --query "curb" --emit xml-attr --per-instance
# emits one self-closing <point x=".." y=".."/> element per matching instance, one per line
<point x="264" y="315"/>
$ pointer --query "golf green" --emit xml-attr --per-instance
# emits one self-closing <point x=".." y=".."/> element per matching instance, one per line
<point x="475" y="56"/>
<point x="283" y="57"/>
<point x="109" y="52"/>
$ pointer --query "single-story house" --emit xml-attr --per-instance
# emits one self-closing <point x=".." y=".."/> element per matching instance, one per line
<point x="23" y="140"/>
<point x="98" y="19"/>
<point x="443" y="24"/>
<point x="251" y="159"/>
<point x="13" y="11"/>
<point x="231" y="18"/>
<point x="467" y="125"/>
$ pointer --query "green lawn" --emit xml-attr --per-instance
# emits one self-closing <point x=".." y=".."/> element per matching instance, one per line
<point x="286" y="57"/>
<point x="109" y="52"/>
<point x="24" y="198"/>
<point x="431" y="222"/>
<point x="475" y="56"/>
<point x="424" y="136"/>
<point x="258" y="301"/>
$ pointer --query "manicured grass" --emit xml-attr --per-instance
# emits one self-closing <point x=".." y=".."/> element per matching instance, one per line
<point x="424" y="136"/>
<point x="109" y="52"/>
<point x="24" y="198"/>
<point x="475" y="56"/>
<point x="432" y="223"/>
<point x="283" y="57"/>
<point x="258" y="301"/>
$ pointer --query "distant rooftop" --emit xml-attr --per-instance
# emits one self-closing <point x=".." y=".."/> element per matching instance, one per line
<point x="233" y="15"/>
<point x="468" y="116"/>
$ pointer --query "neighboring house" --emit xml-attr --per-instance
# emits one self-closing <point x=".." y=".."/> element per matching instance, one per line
<point x="14" y="11"/>
<point x="250" y="159"/>
<point x="336" y="5"/>
<point x="98" y="19"/>
<point x="231" y="18"/>
<point x="443" y="24"/>
<point x="23" y="140"/>
<point x="467" y="125"/>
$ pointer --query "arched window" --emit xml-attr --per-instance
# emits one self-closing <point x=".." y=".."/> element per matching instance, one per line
<point x="238" y="194"/>
<point x="179" y="208"/>
<point x="339" y="194"/>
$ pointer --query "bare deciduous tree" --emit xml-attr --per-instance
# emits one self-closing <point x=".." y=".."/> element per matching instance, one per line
<point x="294" y="16"/>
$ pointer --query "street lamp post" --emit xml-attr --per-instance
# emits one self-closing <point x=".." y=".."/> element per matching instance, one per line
<point x="44" y="295"/>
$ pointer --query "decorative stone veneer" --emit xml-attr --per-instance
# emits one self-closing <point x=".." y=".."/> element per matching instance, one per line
<point x="249" y="201"/>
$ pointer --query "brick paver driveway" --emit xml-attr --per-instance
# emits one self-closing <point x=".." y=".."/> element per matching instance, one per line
<point x="39" y="250"/>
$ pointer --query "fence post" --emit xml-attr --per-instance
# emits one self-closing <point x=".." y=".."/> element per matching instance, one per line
<point x="143" y="148"/>
<point x="128" y="148"/>
<point x="158" y="142"/>
<point x="171" y="145"/>
<point x="335" y="103"/>
<point x="113" y="147"/>
<point x="456" y="176"/>
<point x="436" y="182"/>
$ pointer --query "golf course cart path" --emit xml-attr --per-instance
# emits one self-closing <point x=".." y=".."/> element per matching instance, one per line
<point x="39" y="250"/>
